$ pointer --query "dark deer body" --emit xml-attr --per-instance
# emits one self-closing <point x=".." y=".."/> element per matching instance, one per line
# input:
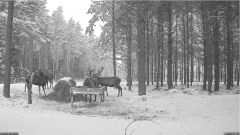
<point x="109" y="82"/>
<point x="39" y="79"/>
<point x="89" y="83"/>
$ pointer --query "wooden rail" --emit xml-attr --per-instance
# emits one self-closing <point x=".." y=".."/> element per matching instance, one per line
<point x="85" y="90"/>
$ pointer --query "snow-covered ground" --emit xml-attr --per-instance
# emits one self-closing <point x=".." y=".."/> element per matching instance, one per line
<point x="178" y="111"/>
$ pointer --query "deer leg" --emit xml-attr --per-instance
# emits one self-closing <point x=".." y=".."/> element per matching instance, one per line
<point x="120" y="90"/>
<point x="90" y="98"/>
<point x="46" y="85"/>
<point x="39" y="90"/>
<point x="44" y="90"/>
<point x="85" y="97"/>
<point x="95" y="98"/>
<point x="52" y="84"/>
<point x="116" y="87"/>
<point x="106" y="91"/>
<point x="25" y="87"/>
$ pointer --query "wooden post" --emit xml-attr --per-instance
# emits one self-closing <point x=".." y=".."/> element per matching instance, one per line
<point x="103" y="93"/>
<point x="29" y="95"/>
<point x="71" y="97"/>
<point x="29" y="86"/>
<point x="100" y="99"/>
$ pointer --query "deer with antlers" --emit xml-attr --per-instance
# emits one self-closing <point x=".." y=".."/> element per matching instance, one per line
<point x="107" y="81"/>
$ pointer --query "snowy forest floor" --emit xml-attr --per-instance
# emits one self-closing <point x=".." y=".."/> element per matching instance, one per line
<point x="181" y="111"/>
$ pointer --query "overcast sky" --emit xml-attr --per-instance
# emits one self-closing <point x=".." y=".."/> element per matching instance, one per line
<point x="76" y="9"/>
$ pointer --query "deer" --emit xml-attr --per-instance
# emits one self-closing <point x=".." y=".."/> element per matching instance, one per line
<point x="39" y="79"/>
<point x="89" y="83"/>
<point x="107" y="81"/>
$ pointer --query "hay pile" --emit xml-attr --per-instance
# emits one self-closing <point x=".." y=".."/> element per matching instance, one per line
<point x="62" y="91"/>
<point x="62" y="88"/>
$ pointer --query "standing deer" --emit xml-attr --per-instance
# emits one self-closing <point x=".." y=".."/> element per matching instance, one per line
<point x="39" y="79"/>
<point x="89" y="83"/>
<point x="107" y="81"/>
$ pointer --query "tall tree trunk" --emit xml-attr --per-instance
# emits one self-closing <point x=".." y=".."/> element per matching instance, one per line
<point x="158" y="46"/>
<point x="192" y="73"/>
<point x="113" y="32"/>
<point x="196" y="70"/>
<point x="235" y="74"/>
<point x="187" y="47"/>
<point x="232" y="54"/>
<point x="141" y="49"/>
<point x="155" y="64"/>
<point x="46" y="49"/>
<point x="238" y="76"/>
<point x="41" y="57"/>
<point x="216" y="49"/>
<point x="184" y="50"/>
<point x="228" y="19"/>
<point x="204" y="46"/>
<point x="69" y="58"/>
<point x="209" y="50"/>
<point x="182" y="54"/>
<point x="57" y="61"/>
<point x="6" y="89"/>
<point x="199" y="70"/>
<point x="169" y="65"/>
<point x="221" y="74"/>
<point x="152" y="56"/>
<point x="129" y="55"/>
<point x="173" y="69"/>
<point x="238" y="65"/>
<point x="181" y="69"/>
<point x="53" y="59"/>
<point x="225" y="71"/>
<point x="147" y="51"/>
<point x="162" y="51"/>
<point x="176" y="54"/>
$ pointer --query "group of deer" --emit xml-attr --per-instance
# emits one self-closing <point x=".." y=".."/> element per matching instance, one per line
<point x="94" y="80"/>
<point x="39" y="79"/>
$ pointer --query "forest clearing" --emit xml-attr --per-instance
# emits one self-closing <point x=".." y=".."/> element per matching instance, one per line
<point x="178" y="111"/>
<point x="170" y="67"/>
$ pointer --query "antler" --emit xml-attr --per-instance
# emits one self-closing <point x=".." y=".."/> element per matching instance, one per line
<point x="100" y="71"/>
<point x="90" y="72"/>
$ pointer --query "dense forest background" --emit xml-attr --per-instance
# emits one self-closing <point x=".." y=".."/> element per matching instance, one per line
<point x="170" y="41"/>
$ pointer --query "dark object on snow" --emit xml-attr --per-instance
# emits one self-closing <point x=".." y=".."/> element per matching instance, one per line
<point x="110" y="82"/>
<point x="107" y="81"/>
<point x="39" y="79"/>
<point x="62" y="90"/>
<point x="29" y="86"/>
<point x="50" y="79"/>
<point x="89" y="83"/>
